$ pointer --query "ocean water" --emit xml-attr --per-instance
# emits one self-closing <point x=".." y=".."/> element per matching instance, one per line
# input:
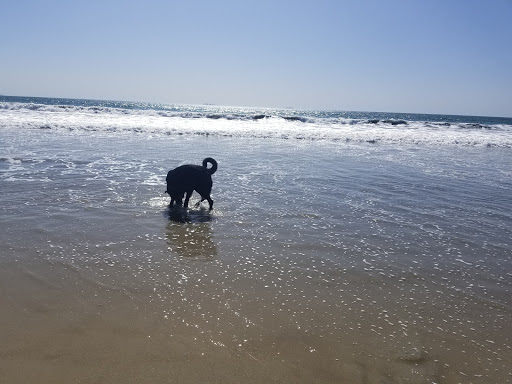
<point x="344" y="247"/>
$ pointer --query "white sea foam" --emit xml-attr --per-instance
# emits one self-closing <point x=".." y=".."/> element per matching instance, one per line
<point x="265" y="124"/>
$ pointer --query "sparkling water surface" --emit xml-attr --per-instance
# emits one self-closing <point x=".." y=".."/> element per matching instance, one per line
<point x="322" y="260"/>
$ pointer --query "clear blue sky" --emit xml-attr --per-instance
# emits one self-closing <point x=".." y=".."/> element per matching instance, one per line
<point x="435" y="56"/>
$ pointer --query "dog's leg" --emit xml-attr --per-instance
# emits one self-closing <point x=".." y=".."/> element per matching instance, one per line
<point x="187" y="198"/>
<point x="210" y="201"/>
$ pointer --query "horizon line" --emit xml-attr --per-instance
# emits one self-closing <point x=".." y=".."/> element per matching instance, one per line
<point x="207" y="104"/>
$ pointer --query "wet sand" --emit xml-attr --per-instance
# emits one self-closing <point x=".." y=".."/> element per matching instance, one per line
<point x="106" y="284"/>
<point x="283" y="321"/>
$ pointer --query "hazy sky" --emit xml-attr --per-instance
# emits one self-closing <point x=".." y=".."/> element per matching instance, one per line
<point x="432" y="56"/>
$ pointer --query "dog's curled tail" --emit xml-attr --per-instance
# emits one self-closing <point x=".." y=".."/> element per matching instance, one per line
<point x="212" y="162"/>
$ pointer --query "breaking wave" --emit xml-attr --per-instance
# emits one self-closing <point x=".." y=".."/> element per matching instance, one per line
<point x="357" y="127"/>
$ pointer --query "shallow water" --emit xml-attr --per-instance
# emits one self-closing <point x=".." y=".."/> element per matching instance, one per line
<point x="321" y="262"/>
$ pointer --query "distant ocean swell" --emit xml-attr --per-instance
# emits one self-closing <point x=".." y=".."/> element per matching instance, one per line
<point x="352" y="127"/>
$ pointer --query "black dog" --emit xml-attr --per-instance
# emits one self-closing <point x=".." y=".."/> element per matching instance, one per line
<point x="189" y="178"/>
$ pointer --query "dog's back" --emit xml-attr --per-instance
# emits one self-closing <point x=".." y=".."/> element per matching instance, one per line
<point x="187" y="176"/>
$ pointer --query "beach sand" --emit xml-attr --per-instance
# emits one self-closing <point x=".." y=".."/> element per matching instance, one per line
<point x="261" y="321"/>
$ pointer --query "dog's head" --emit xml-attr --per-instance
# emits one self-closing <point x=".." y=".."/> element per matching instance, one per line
<point x="175" y="195"/>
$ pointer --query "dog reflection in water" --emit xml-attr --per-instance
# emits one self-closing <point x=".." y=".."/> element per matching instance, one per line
<point x="191" y="240"/>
